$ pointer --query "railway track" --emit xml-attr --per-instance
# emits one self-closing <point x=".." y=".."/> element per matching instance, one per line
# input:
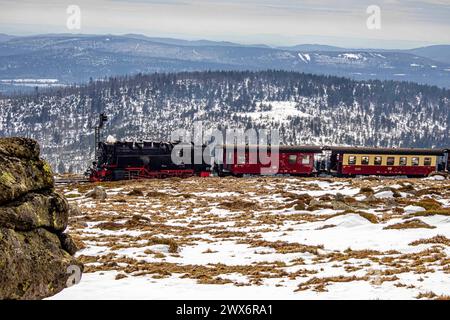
<point x="70" y="180"/>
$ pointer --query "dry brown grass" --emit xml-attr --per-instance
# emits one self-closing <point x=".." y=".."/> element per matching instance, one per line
<point x="326" y="226"/>
<point x="429" y="204"/>
<point x="173" y="246"/>
<point x="136" y="193"/>
<point x="300" y="205"/>
<point x="209" y="251"/>
<point x="238" y="205"/>
<point x="428" y="213"/>
<point x="366" y="190"/>
<point x="110" y="226"/>
<point x="157" y="194"/>
<point x="428" y="191"/>
<point x="435" y="240"/>
<point x="283" y="247"/>
<point x="349" y="254"/>
<point x="121" y="276"/>
<point x="406" y="188"/>
<point x="319" y="284"/>
<point x="426" y="295"/>
<point x="411" y="224"/>
<point x="369" y="216"/>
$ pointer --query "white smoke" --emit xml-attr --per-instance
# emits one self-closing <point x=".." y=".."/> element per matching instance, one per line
<point x="111" y="139"/>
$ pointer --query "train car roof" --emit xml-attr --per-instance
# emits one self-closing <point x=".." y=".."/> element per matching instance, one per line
<point x="406" y="151"/>
<point x="282" y="148"/>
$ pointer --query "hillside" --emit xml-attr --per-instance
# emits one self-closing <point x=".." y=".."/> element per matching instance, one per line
<point x="438" y="53"/>
<point x="307" y="109"/>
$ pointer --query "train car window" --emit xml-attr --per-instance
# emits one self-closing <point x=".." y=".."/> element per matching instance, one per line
<point x="292" y="159"/>
<point x="427" y="161"/>
<point x="415" y="161"/>
<point x="241" y="159"/>
<point x="378" y="161"/>
<point x="306" y="160"/>
<point x="403" y="161"/>
<point x="352" y="160"/>
<point x="230" y="155"/>
<point x="390" y="161"/>
<point x="365" y="161"/>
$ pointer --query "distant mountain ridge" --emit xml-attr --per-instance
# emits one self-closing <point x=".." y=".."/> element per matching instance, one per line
<point x="5" y="37"/>
<point x="75" y="58"/>
<point x="439" y="53"/>
<point x="313" y="47"/>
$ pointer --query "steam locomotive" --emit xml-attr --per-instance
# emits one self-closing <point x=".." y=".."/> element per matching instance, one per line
<point x="144" y="160"/>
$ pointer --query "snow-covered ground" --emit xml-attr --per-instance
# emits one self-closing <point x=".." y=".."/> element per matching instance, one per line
<point x="263" y="238"/>
<point x="32" y="82"/>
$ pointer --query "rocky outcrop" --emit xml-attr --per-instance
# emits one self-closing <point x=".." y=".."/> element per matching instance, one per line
<point x="35" y="254"/>
<point x="98" y="193"/>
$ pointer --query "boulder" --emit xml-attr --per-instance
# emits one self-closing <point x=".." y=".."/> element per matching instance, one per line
<point x="36" y="210"/>
<point x="74" y="210"/>
<point x="136" y="192"/>
<point x="339" y="197"/>
<point x="19" y="176"/>
<point x="33" y="264"/>
<point x="340" y="205"/>
<point x="17" y="147"/>
<point x="67" y="243"/>
<point x="36" y="256"/>
<point x="98" y="193"/>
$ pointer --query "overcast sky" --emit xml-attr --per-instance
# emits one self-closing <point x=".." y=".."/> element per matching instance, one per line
<point x="404" y="23"/>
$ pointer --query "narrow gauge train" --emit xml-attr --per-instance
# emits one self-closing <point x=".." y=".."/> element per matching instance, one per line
<point x="141" y="160"/>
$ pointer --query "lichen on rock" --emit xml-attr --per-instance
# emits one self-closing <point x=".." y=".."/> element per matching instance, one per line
<point x="35" y="254"/>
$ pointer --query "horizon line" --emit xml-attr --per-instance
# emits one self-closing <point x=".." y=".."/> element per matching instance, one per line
<point x="199" y="39"/>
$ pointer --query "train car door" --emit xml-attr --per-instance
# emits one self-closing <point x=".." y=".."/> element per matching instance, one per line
<point x="447" y="155"/>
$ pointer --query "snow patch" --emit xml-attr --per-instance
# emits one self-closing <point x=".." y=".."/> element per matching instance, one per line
<point x="435" y="178"/>
<point x="306" y="58"/>
<point x="280" y="112"/>
<point x="351" y="56"/>
<point x="384" y="195"/>
<point x="413" y="209"/>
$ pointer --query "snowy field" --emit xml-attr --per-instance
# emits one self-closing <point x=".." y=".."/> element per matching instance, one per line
<point x="263" y="238"/>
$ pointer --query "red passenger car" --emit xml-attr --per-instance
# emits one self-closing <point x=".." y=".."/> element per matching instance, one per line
<point x="292" y="160"/>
